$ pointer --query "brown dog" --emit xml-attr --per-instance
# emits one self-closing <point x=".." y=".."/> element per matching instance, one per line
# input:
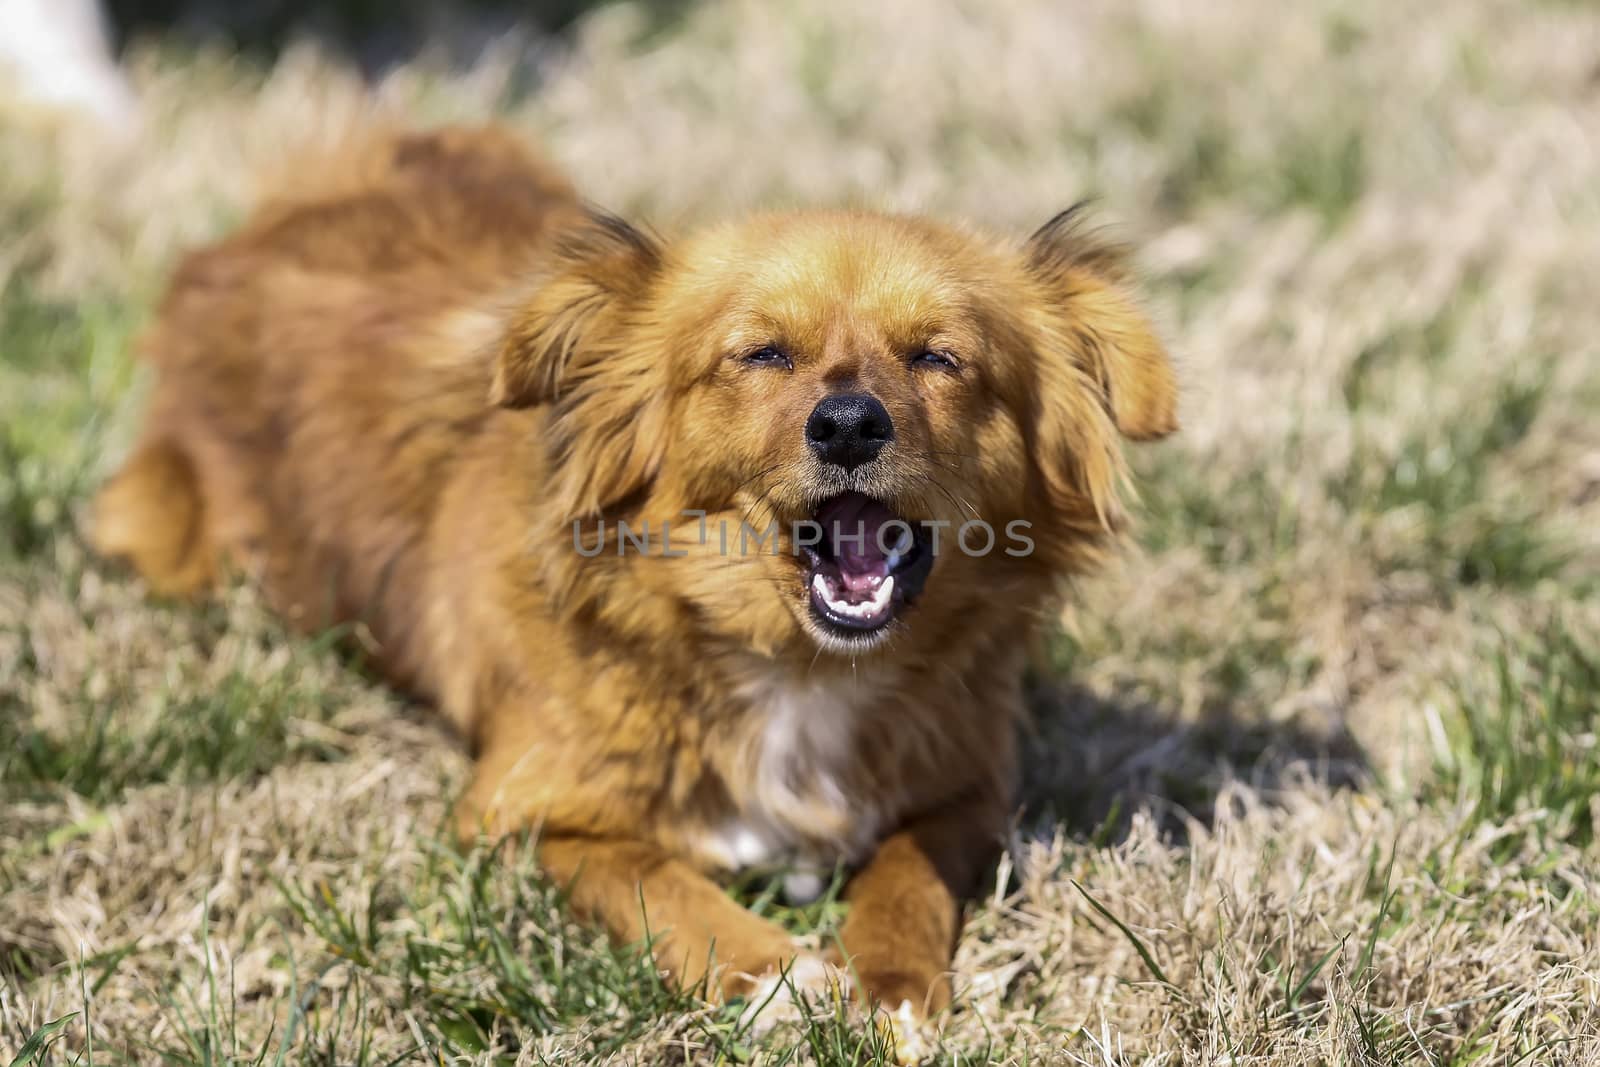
<point x="688" y="538"/>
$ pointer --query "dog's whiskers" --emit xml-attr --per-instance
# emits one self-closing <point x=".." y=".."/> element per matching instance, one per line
<point x="957" y="502"/>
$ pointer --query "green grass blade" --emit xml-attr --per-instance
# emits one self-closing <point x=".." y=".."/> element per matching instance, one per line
<point x="39" y="1042"/>
<point x="1133" y="939"/>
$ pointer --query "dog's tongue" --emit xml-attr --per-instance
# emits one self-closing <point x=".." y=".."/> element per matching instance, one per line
<point x="853" y="524"/>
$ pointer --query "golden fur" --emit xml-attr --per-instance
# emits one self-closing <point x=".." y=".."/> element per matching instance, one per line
<point x="389" y="397"/>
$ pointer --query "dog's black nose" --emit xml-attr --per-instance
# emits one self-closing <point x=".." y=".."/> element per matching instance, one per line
<point x="848" y="430"/>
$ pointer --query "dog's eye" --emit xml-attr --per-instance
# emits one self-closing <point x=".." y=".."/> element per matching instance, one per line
<point x="934" y="357"/>
<point x="769" y="356"/>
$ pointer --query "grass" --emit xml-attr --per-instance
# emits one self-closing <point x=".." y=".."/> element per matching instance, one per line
<point x="1523" y="740"/>
<point x="63" y="364"/>
<point x="241" y="726"/>
<point x="1314" y="770"/>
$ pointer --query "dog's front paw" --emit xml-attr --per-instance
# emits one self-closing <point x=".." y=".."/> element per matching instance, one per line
<point x="901" y="1003"/>
<point x="911" y="1035"/>
<point x="928" y="993"/>
<point x="775" y="997"/>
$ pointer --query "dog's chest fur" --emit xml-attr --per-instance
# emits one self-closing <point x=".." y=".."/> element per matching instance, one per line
<point x="802" y="799"/>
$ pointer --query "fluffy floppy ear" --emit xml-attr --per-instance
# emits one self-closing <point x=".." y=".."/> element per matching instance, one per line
<point x="564" y="347"/>
<point x="1108" y="335"/>
<point x="1102" y="373"/>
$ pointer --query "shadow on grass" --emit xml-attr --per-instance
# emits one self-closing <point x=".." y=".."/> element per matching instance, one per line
<point x="377" y="35"/>
<point x="1091" y="761"/>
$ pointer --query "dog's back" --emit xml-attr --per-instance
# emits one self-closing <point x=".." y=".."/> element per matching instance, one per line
<point x="305" y="411"/>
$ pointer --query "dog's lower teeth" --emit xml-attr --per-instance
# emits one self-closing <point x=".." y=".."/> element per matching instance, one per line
<point x="865" y="609"/>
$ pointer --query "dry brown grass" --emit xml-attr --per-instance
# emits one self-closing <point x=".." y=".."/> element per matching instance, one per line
<point x="1316" y="778"/>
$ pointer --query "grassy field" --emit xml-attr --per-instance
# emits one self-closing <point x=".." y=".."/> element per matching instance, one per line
<point x="1316" y="775"/>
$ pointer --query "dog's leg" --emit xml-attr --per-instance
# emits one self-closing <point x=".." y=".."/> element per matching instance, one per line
<point x="152" y="515"/>
<point x="636" y="889"/>
<point x="905" y="913"/>
<point x="696" y="931"/>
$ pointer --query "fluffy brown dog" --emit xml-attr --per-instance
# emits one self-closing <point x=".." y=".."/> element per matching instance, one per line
<point x="688" y="538"/>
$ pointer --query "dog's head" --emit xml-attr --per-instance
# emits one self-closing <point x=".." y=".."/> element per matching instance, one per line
<point x="886" y="424"/>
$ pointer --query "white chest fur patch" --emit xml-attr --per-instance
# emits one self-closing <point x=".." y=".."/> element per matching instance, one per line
<point x="799" y="811"/>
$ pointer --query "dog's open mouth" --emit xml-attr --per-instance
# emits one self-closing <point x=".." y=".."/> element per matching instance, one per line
<point x="868" y="565"/>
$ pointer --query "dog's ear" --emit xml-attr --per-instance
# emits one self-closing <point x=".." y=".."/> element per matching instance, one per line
<point x="1109" y="335"/>
<point x="1103" y="372"/>
<point x="565" y="348"/>
<point x="600" y="265"/>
